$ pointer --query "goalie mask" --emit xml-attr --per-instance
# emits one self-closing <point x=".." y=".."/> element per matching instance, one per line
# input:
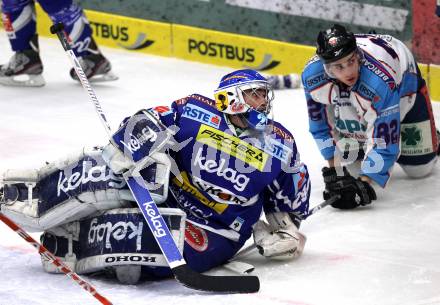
<point x="248" y="94"/>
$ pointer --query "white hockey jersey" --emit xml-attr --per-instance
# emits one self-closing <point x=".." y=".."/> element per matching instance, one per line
<point x="371" y="111"/>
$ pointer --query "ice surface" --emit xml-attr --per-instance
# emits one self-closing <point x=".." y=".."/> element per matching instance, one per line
<point x="384" y="254"/>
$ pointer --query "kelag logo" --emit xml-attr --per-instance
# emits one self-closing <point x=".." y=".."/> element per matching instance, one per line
<point x="231" y="52"/>
<point x="120" y="33"/>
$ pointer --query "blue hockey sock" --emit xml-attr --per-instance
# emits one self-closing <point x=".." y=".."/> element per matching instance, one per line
<point x="19" y="23"/>
<point x="75" y="23"/>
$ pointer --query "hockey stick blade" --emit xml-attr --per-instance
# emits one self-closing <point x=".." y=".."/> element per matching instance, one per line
<point x="226" y="284"/>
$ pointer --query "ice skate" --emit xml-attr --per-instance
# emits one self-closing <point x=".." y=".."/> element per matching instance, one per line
<point x="96" y="67"/>
<point x="24" y="69"/>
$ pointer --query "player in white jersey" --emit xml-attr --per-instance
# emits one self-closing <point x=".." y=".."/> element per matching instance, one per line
<point x="368" y="105"/>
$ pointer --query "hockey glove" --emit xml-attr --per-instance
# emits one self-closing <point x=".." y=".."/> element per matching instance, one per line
<point x="280" y="238"/>
<point x="354" y="192"/>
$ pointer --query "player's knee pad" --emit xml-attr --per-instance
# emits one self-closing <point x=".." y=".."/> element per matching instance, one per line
<point x="118" y="239"/>
<point x="19" y="23"/>
<point x="62" y="192"/>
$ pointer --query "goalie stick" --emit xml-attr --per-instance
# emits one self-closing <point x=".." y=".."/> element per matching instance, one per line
<point x="54" y="260"/>
<point x="155" y="221"/>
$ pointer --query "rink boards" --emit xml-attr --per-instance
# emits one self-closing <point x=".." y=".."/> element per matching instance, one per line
<point x="207" y="46"/>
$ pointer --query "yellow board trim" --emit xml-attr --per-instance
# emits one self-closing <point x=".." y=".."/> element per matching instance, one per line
<point x="434" y="82"/>
<point x="132" y="34"/>
<point x="239" y="51"/>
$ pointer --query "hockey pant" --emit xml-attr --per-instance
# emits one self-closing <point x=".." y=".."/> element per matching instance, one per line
<point x="19" y="21"/>
<point x="418" y="135"/>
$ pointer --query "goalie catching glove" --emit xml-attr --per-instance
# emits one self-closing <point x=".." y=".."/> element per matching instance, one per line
<point x="279" y="238"/>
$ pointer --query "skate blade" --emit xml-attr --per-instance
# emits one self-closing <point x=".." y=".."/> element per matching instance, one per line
<point x="107" y="77"/>
<point x="24" y="80"/>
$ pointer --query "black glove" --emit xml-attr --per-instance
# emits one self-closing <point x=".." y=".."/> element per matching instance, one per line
<point x="354" y="192"/>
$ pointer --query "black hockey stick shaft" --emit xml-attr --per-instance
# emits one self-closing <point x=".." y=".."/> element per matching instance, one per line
<point x="150" y="212"/>
<point x="46" y="254"/>
<point x="322" y="205"/>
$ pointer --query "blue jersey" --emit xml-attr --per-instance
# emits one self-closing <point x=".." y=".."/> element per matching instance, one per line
<point x="370" y="112"/>
<point x="228" y="180"/>
<point x="20" y="24"/>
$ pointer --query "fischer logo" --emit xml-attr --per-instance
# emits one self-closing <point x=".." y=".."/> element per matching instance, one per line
<point x="137" y="141"/>
<point x="230" y="52"/>
<point x="130" y="258"/>
<point x="240" y="181"/>
<point x="93" y="174"/>
<point x="234" y="146"/>
<point x="117" y="231"/>
<point x="154" y="218"/>
<point x="120" y="33"/>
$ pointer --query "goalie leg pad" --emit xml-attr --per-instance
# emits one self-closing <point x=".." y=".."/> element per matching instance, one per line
<point x="62" y="192"/>
<point x="114" y="239"/>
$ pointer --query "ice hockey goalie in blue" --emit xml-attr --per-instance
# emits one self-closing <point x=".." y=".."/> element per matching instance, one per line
<point x="219" y="164"/>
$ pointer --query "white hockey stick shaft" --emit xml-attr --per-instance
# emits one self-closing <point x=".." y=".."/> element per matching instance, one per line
<point x="63" y="37"/>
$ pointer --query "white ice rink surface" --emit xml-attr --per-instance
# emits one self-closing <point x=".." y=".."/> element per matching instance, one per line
<point x="384" y="254"/>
